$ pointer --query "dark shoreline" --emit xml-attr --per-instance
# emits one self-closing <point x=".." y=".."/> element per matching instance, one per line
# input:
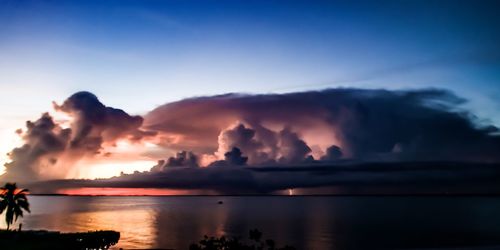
<point x="43" y="239"/>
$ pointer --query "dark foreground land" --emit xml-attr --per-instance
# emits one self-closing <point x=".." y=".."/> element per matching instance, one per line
<point x="28" y="240"/>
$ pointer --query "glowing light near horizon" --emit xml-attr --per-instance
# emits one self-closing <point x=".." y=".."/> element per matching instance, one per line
<point x="290" y="191"/>
<point x="107" y="170"/>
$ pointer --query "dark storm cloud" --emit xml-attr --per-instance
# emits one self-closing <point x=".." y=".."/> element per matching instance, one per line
<point x="181" y="159"/>
<point x="368" y="178"/>
<point x="244" y="139"/>
<point x="49" y="150"/>
<point x="264" y="146"/>
<point x="292" y="147"/>
<point x="332" y="153"/>
<point x="43" y="138"/>
<point x="368" y="124"/>
<point x="231" y="158"/>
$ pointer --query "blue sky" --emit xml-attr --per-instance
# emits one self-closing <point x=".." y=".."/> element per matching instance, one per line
<point x="137" y="55"/>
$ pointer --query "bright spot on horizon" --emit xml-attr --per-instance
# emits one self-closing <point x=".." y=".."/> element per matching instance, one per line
<point x="290" y="191"/>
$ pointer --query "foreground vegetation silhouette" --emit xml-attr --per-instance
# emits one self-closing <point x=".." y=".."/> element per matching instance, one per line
<point x="224" y="243"/>
<point x="37" y="240"/>
<point x="13" y="201"/>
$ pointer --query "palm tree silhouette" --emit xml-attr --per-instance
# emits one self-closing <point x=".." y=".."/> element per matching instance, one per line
<point x="13" y="201"/>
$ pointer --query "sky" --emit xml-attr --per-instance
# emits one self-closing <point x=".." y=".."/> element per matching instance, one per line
<point x="140" y="55"/>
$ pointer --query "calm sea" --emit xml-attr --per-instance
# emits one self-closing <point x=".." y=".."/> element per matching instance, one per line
<point x="304" y="222"/>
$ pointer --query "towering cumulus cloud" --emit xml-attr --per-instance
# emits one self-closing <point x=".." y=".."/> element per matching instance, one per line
<point x="262" y="145"/>
<point x="95" y="123"/>
<point x="181" y="159"/>
<point x="258" y="137"/>
<point x="51" y="149"/>
<point x="44" y="141"/>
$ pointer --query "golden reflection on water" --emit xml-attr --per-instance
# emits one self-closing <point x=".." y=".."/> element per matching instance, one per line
<point x="135" y="226"/>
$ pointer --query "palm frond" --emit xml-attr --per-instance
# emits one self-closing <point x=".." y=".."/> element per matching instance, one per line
<point x="20" y="196"/>
<point x="17" y="212"/>
<point x="9" y="215"/>
<point x="21" y="193"/>
<point x="24" y="204"/>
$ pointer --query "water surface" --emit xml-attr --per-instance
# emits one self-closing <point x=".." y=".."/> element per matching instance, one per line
<point x="304" y="222"/>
